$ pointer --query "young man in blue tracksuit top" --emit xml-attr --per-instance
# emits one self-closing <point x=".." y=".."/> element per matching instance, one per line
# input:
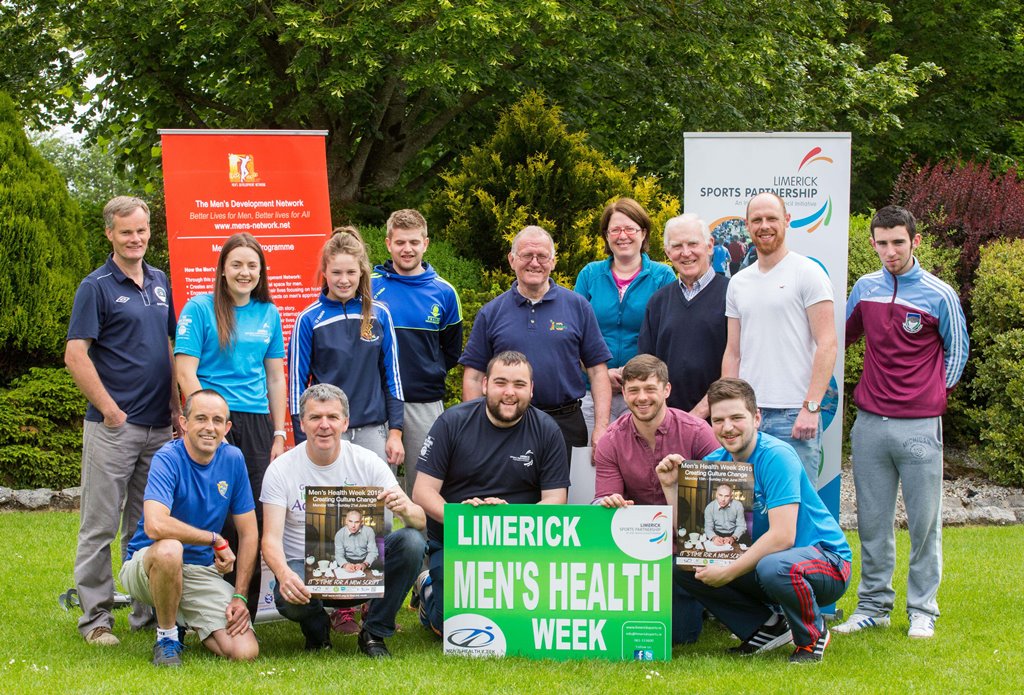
<point x="427" y="318"/>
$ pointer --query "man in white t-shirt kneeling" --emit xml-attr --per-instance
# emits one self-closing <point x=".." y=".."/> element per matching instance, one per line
<point x="324" y="459"/>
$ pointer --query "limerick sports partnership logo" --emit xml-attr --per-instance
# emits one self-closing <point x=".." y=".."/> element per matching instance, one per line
<point x="823" y="215"/>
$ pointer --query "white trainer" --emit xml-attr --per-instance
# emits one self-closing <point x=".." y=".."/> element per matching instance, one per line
<point x="859" y="621"/>
<point x="921" y="626"/>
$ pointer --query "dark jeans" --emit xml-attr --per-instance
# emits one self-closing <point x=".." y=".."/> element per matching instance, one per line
<point x="403" y="557"/>
<point x="574" y="430"/>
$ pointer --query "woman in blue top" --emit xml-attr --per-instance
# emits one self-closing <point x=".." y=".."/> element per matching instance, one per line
<point x="347" y="339"/>
<point x="618" y="289"/>
<point x="230" y="341"/>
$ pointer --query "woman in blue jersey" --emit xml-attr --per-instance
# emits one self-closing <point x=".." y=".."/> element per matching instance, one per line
<point x="618" y="289"/>
<point x="347" y="339"/>
<point x="230" y="341"/>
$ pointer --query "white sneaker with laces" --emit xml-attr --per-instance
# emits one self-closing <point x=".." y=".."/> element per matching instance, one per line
<point x="860" y="621"/>
<point x="921" y="626"/>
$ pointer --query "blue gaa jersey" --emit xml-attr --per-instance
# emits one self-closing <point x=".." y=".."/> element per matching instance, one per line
<point x="198" y="495"/>
<point x="780" y="479"/>
<point x="327" y="347"/>
<point x="129" y="328"/>
<point x="238" y="373"/>
<point x="427" y="317"/>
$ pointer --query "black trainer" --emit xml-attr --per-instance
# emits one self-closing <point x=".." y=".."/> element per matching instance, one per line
<point x="373" y="646"/>
<point x="812" y="653"/>
<point x="766" y="638"/>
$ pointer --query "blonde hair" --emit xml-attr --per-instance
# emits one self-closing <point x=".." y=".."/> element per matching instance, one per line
<point x="347" y="240"/>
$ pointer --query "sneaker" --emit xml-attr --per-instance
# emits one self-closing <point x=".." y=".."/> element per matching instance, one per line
<point x="343" y="620"/>
<point x="812" y="653"/>
<point x="167" y="652"/>
<point x="921" y="626"/>
<point x="373" y="646"/>
<point x="766" y="638"/>
<point x="102" y="636"/>
<point x="416" y="601"/>
<point x="859" y="621"/>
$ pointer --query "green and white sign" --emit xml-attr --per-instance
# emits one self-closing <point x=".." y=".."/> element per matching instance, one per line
<point x="558" y="582"/>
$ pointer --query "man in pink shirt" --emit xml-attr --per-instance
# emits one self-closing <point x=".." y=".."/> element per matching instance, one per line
<point x="631" y="448"/>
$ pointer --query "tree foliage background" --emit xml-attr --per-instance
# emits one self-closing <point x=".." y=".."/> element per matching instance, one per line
<point x="42" y="256"/>
<point x="403" y="86"/>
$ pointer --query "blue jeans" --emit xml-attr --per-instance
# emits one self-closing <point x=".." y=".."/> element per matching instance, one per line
<point x="687" y="612"/>
<point x="433" y="605"/>
<point x="778" y="422"/>
<point x="798" y="579"/>
<point x="403" y="557"/>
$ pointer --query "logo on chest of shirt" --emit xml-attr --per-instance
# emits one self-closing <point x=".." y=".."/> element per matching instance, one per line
<point x="557" y="326"/>
<point x="912" y="324"/>
<point x="526" y="459"/>
<point x="222" y="488"/>
<point x="160" y="293"/>
<point x="434" y="316"/>
<point x="262" y="335"/>
<point x="122" y="299"/>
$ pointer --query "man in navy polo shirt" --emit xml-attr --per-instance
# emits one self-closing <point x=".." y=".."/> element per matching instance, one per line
<point x="118" y="352"/>
<point x="557" y="331"/>
<point x="492" y="450"/>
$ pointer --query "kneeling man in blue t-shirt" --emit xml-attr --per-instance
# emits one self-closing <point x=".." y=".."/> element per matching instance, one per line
<point x="177" y="555"/>
<point x="799" y="559"/>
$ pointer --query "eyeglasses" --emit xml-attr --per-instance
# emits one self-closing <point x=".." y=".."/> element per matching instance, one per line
<point x="628" y="231"/>
<point x="541" y="258"/>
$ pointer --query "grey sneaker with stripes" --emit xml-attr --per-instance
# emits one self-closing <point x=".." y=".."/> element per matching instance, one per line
<point x="859" y="621"/>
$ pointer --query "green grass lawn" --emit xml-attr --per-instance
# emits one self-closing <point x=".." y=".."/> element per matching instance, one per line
<point x="977" y="647"/>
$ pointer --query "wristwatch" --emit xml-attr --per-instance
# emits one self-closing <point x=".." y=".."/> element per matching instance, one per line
<point x="812" y="406"/>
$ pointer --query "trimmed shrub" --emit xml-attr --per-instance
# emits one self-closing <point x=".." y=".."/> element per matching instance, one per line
<point x="41" y="430"/>
<point x="998" y="355"/>
<point x="534" y="171"/>
<point x="42" y="256"/>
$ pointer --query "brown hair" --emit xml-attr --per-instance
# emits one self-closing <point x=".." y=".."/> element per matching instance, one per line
<point x="347" y="240"/>
<point x="406" y="219"/>
<point x="634" y="211"/>
<point x="509" y="358"/>
<point x="728" y="388"/>
<point x="122" y="206"/>
<point x="223" y="304"/>
<point x="642" y="367"/>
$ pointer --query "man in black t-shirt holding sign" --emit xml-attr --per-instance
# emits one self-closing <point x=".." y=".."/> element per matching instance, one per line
<point x="493" y="450"/>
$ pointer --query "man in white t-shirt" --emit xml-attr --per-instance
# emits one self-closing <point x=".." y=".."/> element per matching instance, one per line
<point x="324" y="459"/>
<point x="782" y="334"/>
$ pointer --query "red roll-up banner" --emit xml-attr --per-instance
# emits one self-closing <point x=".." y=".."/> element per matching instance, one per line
<point x="272" y="184"/>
